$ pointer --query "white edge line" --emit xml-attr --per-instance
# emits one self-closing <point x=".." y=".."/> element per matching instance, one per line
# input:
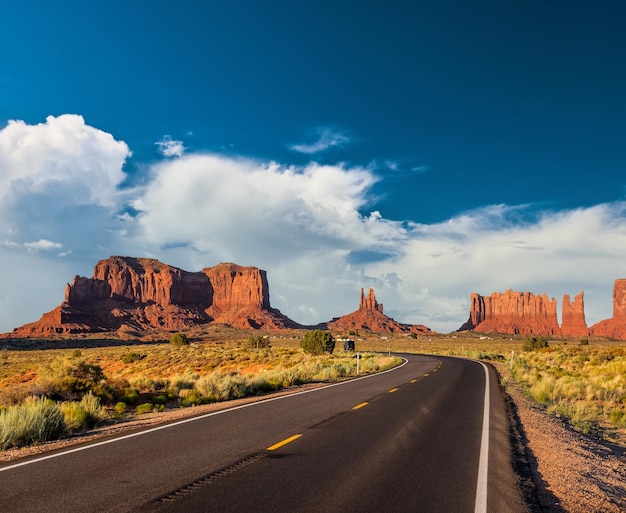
<point x="480" y="506"/>
<point x="192" y="419"/>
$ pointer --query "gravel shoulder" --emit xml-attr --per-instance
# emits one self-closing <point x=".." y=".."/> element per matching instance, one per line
<point x="563" y="470"/>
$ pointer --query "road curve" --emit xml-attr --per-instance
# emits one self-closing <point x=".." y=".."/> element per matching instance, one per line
<point x="405" y="440"/>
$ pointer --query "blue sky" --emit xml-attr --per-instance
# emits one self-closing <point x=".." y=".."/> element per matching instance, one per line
<point x="425" y="149"/>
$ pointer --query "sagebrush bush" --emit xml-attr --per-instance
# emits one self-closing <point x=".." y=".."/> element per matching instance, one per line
<point x="220" y="387"/>
<point x="83" y="414"/>
<point x="182" y="382"/>
<point x="36" y="420"/>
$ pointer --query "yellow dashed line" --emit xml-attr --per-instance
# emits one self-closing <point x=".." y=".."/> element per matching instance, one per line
<point x="413" y="380"/>
<point x="393" y="390"/>
<point x="284" y="442"/>
<point x="359" y="406"/>
<point x="426" y="375"/>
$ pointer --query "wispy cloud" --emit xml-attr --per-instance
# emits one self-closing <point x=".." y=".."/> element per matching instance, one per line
<point x="169" y="147"/>
<point x="326" y="138"/>
<point x="42" y="244"/>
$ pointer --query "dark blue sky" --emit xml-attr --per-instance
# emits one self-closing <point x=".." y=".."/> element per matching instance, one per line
<point x="453" y="106"/>
<point x="499" y="102"/>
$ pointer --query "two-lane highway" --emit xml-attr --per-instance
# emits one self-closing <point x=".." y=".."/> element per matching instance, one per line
<point x="405" y="440"/>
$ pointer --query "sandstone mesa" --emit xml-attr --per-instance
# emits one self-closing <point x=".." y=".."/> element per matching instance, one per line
<point x="127" y="293"/>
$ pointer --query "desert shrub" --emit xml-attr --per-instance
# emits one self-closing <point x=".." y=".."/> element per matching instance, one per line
<point x="159" y="400"/>
<point x="120" y="408"/>
<point x="38" y="419"/>
<point x="131" y="396"/>
<point x="77" y="353"/>
<point x="83" y="414"/>
<point x="317" y="342"/>
<point x="179" y="339"/>
<point x="144" y="408"/>
<point x="182" y="382"/>
<point x="258" y="342"/>
<point x="141" y="383"/>
<point x="583" y="342"/>
<point x="190" y="398"/>
<point x="131" y="357"/>
<point x="69" y="379"/>
<point x="220" y="387"/>
<point x="533" y="343"/>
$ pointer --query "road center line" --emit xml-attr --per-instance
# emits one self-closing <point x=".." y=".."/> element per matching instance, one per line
<point x="393" y="390"/>
<point x="480" y="506"/>
<point x="359" y="406"/>
<point x="284" y="442"/>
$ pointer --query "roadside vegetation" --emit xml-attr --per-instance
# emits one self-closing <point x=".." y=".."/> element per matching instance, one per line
<point x="47" y="394"/>
<point x="580" y="381"/>
<point x="584" y="384"/>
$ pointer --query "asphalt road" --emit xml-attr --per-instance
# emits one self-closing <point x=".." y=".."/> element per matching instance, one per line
<point x="412" y="439"/>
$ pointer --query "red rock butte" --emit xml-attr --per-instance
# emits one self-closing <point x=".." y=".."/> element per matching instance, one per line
<point x="525" y="313"/>
<point x="143" y="293"/>
<point x="370" y="317"/>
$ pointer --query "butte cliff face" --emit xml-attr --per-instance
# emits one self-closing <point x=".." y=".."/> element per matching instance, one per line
<point x="513" y="312"/>
<point x="616" y="326"/>
<point x="525" y="313"/>
<point x="143" y="293"/>
<point x="370" y="317"/>
<point x="573" y="316"/>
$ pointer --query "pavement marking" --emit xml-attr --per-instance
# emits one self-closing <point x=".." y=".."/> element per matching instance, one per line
<point x="393" y="390"/>
<point x="413" y="380"/>
<point x="359" y="406"/>
<point x="284" y="442"/>
<point x="480" y="506"/>
<point x="426" y="375"/>
<point x="191" y="419"/>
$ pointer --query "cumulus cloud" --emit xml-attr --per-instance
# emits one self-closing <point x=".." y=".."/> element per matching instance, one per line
<point x="326" y="138"/>
<point x="169" y="147"/>
<point x="77" y="160"/>
<point x="237" y="206"/>
<point x="59" y="185"/>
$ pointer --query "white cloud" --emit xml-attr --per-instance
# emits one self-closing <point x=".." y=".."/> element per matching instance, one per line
<point x="80" y="162"/>
<point x="170" y="148"/>
<point x="327" y="138"/>
<point x="42" y="244"/>
<point x="59" y="185"/>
